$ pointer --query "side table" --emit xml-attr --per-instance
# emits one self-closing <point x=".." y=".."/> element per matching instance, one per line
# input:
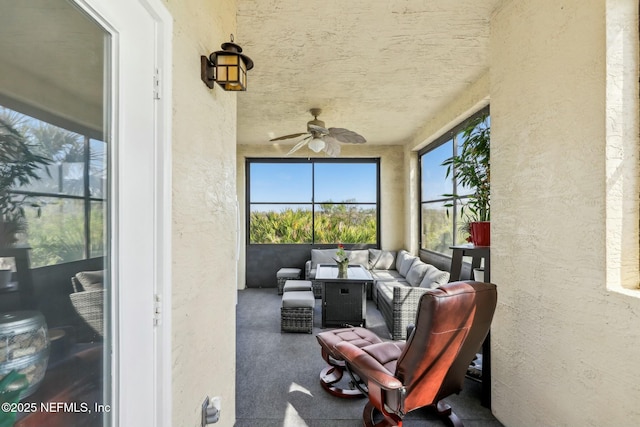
<point x="477" y="253"/>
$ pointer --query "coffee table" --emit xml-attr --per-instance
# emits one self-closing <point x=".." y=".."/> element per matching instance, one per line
<point x="344" y="300"/>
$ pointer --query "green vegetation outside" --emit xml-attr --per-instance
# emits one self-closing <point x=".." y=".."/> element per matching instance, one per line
<point x="334" y="223"/>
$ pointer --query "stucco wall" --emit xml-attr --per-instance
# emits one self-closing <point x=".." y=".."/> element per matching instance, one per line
<point x="565" y="349"/>
<point x="392" y="187"/>
<point x="204" y="218"/>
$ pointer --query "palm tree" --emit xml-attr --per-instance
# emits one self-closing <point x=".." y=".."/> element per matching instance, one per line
<point x="18" y="166"/>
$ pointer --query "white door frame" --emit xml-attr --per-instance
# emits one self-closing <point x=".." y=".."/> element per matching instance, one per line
<point x="140" y="194"/>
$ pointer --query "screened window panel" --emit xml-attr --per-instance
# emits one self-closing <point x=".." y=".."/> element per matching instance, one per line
<point x="436" y="228"/>
<point x="97" y="229"/>
<point x="58" y="235"/>
<point x="345" y="223"/>
<point x="281" y="182"/>
<point x="343" y="209"/>
<point x="435" y="183"/>
<point x="280" y="224"/>
<point x="98" y="169"/>
<point x="345" y="182"/>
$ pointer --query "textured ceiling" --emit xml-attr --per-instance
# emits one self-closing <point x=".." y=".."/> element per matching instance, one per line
<point x="380" y="68"/>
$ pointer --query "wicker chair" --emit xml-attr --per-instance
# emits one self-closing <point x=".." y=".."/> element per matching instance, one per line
<point x="88" y="302"/>
<point x="89" y="306"/>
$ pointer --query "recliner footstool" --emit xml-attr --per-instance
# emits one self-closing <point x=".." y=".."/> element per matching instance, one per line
<point x="360" y="337"/>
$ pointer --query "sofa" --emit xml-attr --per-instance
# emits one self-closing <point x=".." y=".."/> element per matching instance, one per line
<point x="399" y="279"/>
<point x="398" y="286"/>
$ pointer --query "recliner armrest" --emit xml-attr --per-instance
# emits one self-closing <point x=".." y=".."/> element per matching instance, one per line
<point x="367" y="366"/>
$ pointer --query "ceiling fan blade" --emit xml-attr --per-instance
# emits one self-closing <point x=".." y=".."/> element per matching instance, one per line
<point x="346" y="135"/>
<point x="299" y="145"/>
<point x="318" y="129"/>
<point x="332" y="146"/>
<point x="293" y="135"/>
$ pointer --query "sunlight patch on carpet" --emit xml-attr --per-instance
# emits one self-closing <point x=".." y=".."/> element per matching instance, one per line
<point x="292" y="418"/>
<point x="297" y="387"/>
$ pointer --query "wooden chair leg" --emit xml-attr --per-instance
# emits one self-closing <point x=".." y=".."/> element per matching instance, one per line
<point x="388" y="420"/>
<point x="331" y="375"/>
<point x="447" y="415"/>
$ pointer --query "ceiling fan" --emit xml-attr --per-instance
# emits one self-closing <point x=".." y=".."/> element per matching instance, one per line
<point x="320" y="138"/>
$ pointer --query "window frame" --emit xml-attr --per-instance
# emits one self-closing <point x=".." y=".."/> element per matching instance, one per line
<point x="449" y="135"/>
<point x="87" y="136"/>
<point x="312" y="203"/>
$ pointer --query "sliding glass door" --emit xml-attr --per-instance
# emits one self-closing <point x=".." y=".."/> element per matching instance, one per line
<point x="78" y="213"/>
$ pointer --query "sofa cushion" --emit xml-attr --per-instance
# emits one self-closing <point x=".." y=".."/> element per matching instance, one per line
<point x="382" y="260"/>
<point x="404" y="262"/>
<point x="323" y="256"/>
<point x="328" y="256"/>
<point x="416" y="273"/>
<point x="434" y="277"/>
<point x="385" y="292"/>
<point x="385" y="275"/>
<point x="358" y="256"/>
<point x="402" y="254"/>
<point x="90" y="280"/>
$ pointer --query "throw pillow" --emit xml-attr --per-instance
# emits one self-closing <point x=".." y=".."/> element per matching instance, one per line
<point x="402" y="255"/>
<point x="91" y="280"/>
<point x="416" y="273"/>
<point x="382" y="260"/>
<point x="323" y="256"/>
<point x="404" y="262"/>
<point x="434" y="277"/>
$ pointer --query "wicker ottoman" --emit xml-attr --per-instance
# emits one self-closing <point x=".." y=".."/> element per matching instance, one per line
<point x="360" y="337"/>
<point x="317" y="288"/>
<point x="296" y="312"/>
<point x="285" y="274"/>
<point x="297" y="285"/>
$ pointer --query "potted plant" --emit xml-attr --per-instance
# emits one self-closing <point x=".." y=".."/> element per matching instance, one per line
<point x="471" y="168"/>
<point x="19" y="164"/>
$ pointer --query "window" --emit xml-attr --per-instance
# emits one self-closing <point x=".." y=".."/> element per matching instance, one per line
<point x="442" y="199"/>
<point x="622" y="147"/>
<point x="316" y="201"/>
<point x="68" y="225"/>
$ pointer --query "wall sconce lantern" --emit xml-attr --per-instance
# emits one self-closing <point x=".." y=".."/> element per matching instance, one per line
<point x="227" y="67"/>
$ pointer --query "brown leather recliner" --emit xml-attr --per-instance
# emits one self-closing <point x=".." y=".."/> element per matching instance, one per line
<point x="398" y="377"/>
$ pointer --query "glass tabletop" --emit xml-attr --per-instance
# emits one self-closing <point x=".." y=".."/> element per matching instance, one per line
<point x="354" y="272"/>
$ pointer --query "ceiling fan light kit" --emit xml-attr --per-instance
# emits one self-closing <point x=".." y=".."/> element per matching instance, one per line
<point x="319" y="138"/>
<point x="227" y="67"/>
<point x="317" y="145"/>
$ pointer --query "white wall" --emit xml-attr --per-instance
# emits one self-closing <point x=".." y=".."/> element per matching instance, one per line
<point x="204" y="218"/>
<point x="392" y="187"/>
<point x="565" y="349"/>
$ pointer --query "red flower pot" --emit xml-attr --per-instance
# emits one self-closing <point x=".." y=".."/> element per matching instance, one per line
<point x="481" y="233"/>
